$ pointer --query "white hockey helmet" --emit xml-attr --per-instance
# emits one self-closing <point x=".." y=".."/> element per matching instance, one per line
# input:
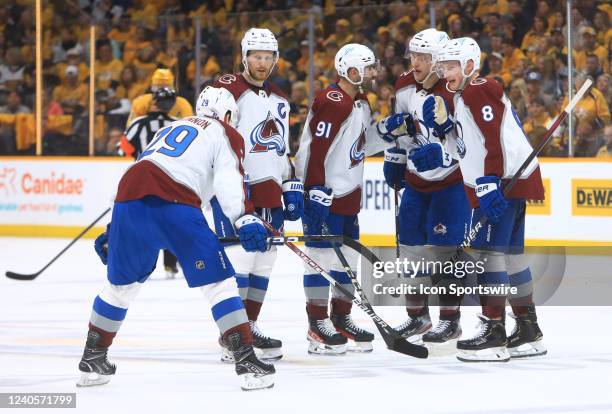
<point x="258" y="39"/>
<point x="462" y="49"/>
<point x="354" y="55"/>
<point x="428" y="41"/>
<point x="216" y="103"/>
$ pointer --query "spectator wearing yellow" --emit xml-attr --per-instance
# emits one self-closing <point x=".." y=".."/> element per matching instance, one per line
<point x="606" y="150"/>
<point x="129" y="87"/>
<point x="73" y="58"/>
<point x="134" y="44"/>
<point x="342" y="35"/>
<point x="491" y="6"/>
<point x="71" y="94"/>
<point x="107" y="69"/>
<point x="590" y="47"/>
<point x="124" y="30"/>
<point x="512" y="55"/>
<point x="145" y="63"/>
<point x="496" y="67"/>
<point x="602" y="28"/>
<point x="558" y="46"/>
<point x="144" y="104"/>
<point x="537" y="32"/>
<point x="209" y="66"/>
<point x="416" y="20"/>
<point x="538" y="116"/>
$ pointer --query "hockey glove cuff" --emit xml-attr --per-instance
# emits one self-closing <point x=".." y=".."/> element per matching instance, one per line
<point x="101" y="245"/>
<point x="293" y="198"/>
<point x="491" y="199"/>
<point x="252" y="233"/>
<point x="394" y="167"/>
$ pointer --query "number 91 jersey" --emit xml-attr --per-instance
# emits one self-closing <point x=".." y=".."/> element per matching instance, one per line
<point x="263" y="122"/>
<point x="188" y="162"/>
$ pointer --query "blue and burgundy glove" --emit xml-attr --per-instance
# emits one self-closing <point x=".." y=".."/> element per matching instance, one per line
<point x="101" y="245"/>
<point x="317" y="206"/>
<point x="394" y="167"/>
<point x="396" y="125"/>
<point x="429" y="157"/>
<point x="490" y="196"/>
<point x="293" y="198"/>
<point x="252" y="233"/>
<point x="436" y="116"/>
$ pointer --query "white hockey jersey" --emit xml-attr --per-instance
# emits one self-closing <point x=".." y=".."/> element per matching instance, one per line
<point x="409" y="98"/>
<point x="264" y="125"/>
<point x="337" y="136"/>
<point x="188" y="162"/>
<point x="489" y="140"/>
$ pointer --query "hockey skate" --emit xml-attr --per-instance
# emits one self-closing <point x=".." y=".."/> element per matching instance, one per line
<point x="171" y="272"/>
<point x="253" y="373"/>
<point x="442" y="339"/>
<point x="95" y="368"/>
<point x="362" y="339"/>
<point x="414" y="327"/>
<point x="526" y="337"/>
<point x="488" y="345"/>
<point x="323" y="339"/>
<point x="267" y="349"/>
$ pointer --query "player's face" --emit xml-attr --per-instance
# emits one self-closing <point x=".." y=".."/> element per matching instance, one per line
<point x="451" y="71"/>
<point x="260" y="64"/>
<point x="369" y="74"/>
<point x="421" y="63"/>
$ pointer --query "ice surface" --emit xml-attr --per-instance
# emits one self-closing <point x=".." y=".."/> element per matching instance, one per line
<point x="167" y="357"/>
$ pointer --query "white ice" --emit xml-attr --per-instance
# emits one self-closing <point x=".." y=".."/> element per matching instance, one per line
<point x="167" y="357"/>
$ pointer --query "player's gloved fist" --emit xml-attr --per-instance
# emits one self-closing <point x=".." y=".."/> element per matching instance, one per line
<point x="317" y="206"/>
<point x="436" y="116"/>
<point x="428" y="157"/>
<point x="396" y="125"/>
<point x="101" y="245"/>
<point x="491" y="199"/>
<point x="293" y="198"/>
<point x="252" y="233"/>
<point x="394" y="167"/>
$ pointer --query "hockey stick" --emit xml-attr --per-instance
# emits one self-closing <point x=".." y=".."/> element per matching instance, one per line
<point x="393" y="340"/>
<point x="547" y="137"/>
<point x="32" y="276"/>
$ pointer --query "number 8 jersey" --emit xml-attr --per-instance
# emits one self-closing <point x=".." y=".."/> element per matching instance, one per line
<point x="188" y="162"/>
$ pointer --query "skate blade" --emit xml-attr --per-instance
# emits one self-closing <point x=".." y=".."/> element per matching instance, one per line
<point x="227" y="357"/>
<point x="528" y="350"/>
<point x="318" y="348"/>
<point x="495" y="354"/>
<point x="359" y="347"/>
<point x="270" y="354"/>
<point x="92" y="379"/>
<point x="252" y="382"/>
<point x="440" y="349"/>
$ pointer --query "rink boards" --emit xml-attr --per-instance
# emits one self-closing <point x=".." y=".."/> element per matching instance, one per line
<point x="58" y="196"/>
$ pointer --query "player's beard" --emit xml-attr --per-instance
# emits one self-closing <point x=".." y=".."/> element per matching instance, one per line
<point x="368" y="85"/>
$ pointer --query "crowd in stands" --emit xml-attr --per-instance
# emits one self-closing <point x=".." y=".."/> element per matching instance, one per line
<point x="524" y="44"/>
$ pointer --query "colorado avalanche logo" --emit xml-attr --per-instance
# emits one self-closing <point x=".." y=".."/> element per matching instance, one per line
<point x="358" y="150"/>
<point x="422" y="132"/>
<point x="461" y="150"/>
<point x="268" y="135"/>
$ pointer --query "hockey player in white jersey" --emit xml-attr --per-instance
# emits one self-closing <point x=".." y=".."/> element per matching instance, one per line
<point x="434" y="212"/>
<point x="264" y="126"/>
<point x="158" y="206"/>
<point x="336" y="138"/>
<point x="490" y="146"/>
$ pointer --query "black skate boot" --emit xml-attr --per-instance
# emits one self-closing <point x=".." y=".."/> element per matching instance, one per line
<point x="488" y="345"/>
<point x="415" y="326"/>
<point x="253" y="373"/>
<point x="324" y="339"/>
<point x="447" y="330"/>
<point x="270" y="348"/>
<point x="361" y="338"/>
<point x="526" y="338"/>
<point x="95" y="368"/>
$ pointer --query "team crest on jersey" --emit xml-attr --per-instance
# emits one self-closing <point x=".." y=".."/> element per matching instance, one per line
<point x="422" y="132"/>
<point x="269" y="135"/>
<point x="461" y="150"/>
<point x="227" y="79"/>
<point x="439" y="229"/>
<point x="358" y="150"/>
<point x="335" y="96"/>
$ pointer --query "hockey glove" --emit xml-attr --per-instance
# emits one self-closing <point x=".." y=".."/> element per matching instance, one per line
<point x="293" y="198"/>
<point x="491" y="199"/>
<point x="394" y="167"/>
<point x="396" y="125"/>
<point x="436" y="116"/>
<point x="317" y="206"/>
<point x="101" y="245"/>
<point x="429" y="157"/>
<point x="252" y="233"/>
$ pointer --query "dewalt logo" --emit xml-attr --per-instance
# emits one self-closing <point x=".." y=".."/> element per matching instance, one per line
<point x="541" y="208"/>
<point x="592" y="197"/>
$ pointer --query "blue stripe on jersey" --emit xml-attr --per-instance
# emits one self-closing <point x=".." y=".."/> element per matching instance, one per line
<point x="258" y="282"/>
<point x="227" y="306"/>
<point x="315" y="280"/>
<point x="520" y="278"/>
<point x="108" y="311"/>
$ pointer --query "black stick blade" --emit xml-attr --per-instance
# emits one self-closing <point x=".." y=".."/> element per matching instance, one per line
<point x="19" y="276"/>
<point x="402" y="346"/>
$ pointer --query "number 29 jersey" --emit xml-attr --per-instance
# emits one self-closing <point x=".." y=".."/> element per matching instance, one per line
<point x="188" y="162"/>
